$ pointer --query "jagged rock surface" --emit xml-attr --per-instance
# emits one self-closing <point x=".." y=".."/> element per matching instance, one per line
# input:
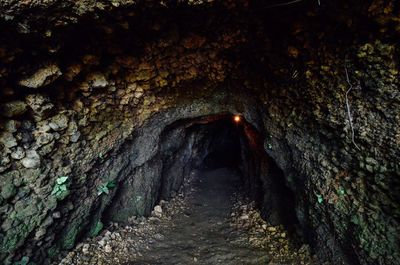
<point x="118" y="78"/>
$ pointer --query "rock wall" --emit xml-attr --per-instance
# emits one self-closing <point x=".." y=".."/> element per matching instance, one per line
<point x="85" y="99"/>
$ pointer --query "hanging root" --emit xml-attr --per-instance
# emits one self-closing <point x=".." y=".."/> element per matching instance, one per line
<point x="348" y="107"/>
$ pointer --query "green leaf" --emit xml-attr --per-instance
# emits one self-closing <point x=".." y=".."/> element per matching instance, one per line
<point x="340" y="190"/>
<point x="354" y="219"/>
<point x="63" y="187"/>
<point x="62" y="180"/>
<point x="95" y="231"/>
<point x="100" y="155"/>
<point x="100" y="190"/>
<point x="55" y="189"/>
<point x="23" y="261"/>
<point x="106" y="190"/>
<point x="319" y="198"/>
<point x="111" y="185"/>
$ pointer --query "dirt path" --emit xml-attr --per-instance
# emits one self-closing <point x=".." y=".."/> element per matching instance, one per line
<point x="202" y="233"/>
<point x="208" y="223"/>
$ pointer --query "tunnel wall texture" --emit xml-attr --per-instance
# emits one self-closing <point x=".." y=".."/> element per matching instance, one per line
<point x="89" y="86"/>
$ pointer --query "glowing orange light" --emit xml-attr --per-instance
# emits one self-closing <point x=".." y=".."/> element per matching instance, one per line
<point x="236" y="118"/>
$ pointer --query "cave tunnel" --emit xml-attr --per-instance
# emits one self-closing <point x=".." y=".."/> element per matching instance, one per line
<point x="199" y="132"/>
<point x="211" y="142"/>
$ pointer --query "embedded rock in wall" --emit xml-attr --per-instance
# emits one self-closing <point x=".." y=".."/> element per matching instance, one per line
<point x="42" y="77"/>
<point x="13" y="108"/>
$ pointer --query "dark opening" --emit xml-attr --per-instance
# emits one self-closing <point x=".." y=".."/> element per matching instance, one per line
<point x="224" y="150"/>
<point x="226" y="143"/>
<point x="206" y="144"/>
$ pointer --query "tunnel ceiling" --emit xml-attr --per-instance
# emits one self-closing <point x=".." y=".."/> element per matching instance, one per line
<point x="88" y="89"/>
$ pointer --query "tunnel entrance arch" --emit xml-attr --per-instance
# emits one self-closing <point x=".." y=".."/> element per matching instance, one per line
<point x="199" y="143"/>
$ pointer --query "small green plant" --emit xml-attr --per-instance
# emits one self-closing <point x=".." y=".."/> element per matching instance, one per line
<point x="138" y="198"/>
<point x="319" y="198"/>
<point x="53" y="252"/>
<point x="340" y="190"/>
<point x="354" y="220"/>
<point x="96" y="229"/>
<point x="100" y="155"/>
<point x="269" y="146"/>
<point x="60" y="186"/>
<point x="24" y="261"/>
<point x="104" y="188"/>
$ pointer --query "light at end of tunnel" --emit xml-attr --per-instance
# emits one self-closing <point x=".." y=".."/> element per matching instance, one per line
<point x="236" y="118"/>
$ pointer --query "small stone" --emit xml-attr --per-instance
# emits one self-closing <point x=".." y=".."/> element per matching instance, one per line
<point x="271" y="229"/>
<point x="75" y="137"/>
<point x="108" y="249"/>
<point x="59" y="122"/>
<point x="85" y="248"/>
<point x="12" y="126"/>
<point x="12" y="109"/>
<point x="158" y="209"/>
<point x="371" y="161"/>
<point x="138" y="94"/>
<point x="40" y="233"/>
<point x="8" y="140"/>
<point x="72" y="71"/>
<point x="102" y="242"/>
<point x="44" y="138"/>
<point x="32" y="159"/>
<point x="244" y="217"/>
<point x="46" y="149"/>
<point x="8" y="191"/>
<point x="56" y="215"/>
<point x="18" y="154"/>
<point x="369" y="168"/>
<point x="40" y="105"/>
<point x="97" y="80"/>
<point x="42" y="77"/>
<point x="159" y="237"/>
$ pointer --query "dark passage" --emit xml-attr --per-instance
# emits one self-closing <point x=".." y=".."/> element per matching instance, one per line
<point x="229" y="170"/>
<point x="214" y="197"/>
<point x="224" y="145"/>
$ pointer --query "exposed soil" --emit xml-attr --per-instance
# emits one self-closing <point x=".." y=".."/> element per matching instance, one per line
<point x="208" y="222"/>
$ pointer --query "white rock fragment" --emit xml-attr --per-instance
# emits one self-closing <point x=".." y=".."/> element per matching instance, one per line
<point x="32" y="159"/>
<point x="157" y="212"/>
<point x="97" y="80"/>
<point x="42" y="77"/>
<point x="244" y="217"/>
<point x="108" y="249"/>
<point x="85" y="248"/>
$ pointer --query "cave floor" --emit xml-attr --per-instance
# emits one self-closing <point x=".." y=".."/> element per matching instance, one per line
<point x="202" y="232"/>
<point x="208" y="222"/>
